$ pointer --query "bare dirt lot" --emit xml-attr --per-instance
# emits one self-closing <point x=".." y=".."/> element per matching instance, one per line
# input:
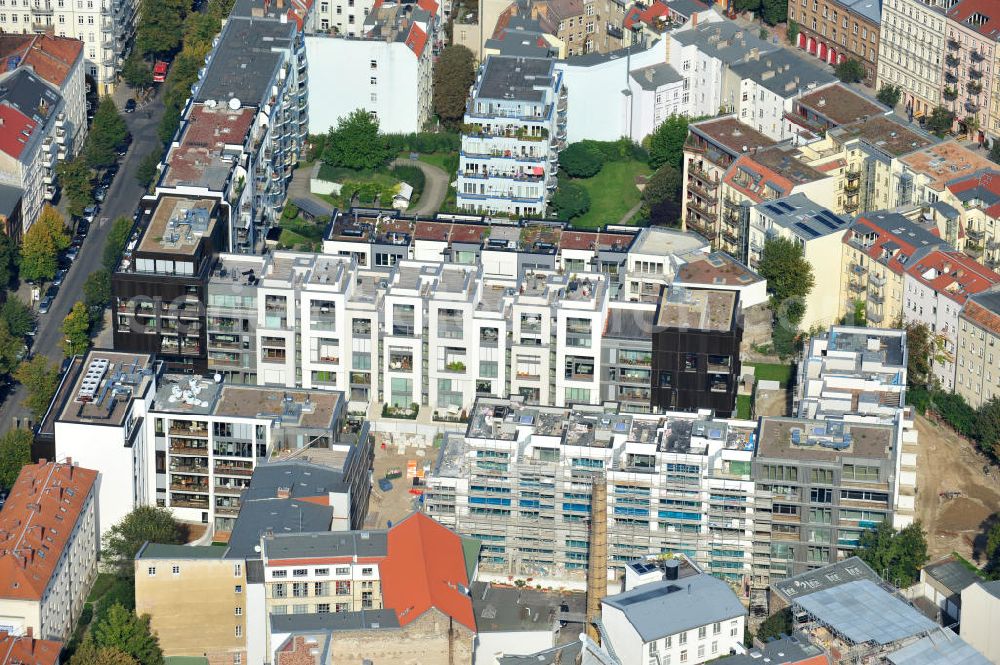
<point x="397" y="503"/>
<point x="954" y="496"/>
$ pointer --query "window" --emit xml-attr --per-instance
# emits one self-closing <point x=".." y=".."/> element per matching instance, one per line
<point x="239" y="611"/>
<point x="300" y="589"/>
<point x="684" y="656"/>
<point x="176" y="570"/>
<point x="300" y="572"/>
<point x="367" y="572"/>
<point x="701" y="651"/>
<point x="237" y="659"/>
<point x="343" y="570"/>
<point x="820" y="495"/>
<point x="701" y="634"/>
<point x="682" y="639"/>
<point x="279" y="573"/>
<point x="322" y="572"/>
<point x="151" y="571"/>
<point x="374" y="65"/>
<point x="323" y="608"/>
<point x="716" y="628"/>
<point x="237" y="570"/>
<point x="239" y="631"/>
<point x="238" y="588"/>
<point x="824" y="476"/>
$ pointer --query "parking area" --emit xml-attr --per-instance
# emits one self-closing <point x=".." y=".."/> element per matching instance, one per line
<point x="409" y="455"/>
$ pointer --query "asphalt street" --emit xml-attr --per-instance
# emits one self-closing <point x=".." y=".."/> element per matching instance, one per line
<point x="121" y="200"/>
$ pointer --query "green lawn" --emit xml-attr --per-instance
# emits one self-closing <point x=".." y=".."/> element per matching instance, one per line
<point x="612" y="193"/>
<point x="101" y="586"/>
<point x="743" y="407"/>
<point x="772" y="372"/>
<point x="446" y="161"/>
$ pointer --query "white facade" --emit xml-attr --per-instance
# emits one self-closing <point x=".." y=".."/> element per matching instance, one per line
<point x="340" y="17"/>
<point x="911" y="52"/>
<point x="980" y="617"/>
<point x="922" y="304"/>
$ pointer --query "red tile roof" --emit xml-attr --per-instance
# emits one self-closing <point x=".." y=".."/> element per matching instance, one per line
<point x="417" y="39"/>
<point x="989" y="9"/>
<point x="52" y="58"/>
<point x="26" y="650"/>
<point x="756" y="188"/>
<point x="35" y="524"/>
<point x="648" y="15"/>
<point x="15" y="130"/>
<point x="981" y="316"/>
<point x="953" y="274"/>
<point x="888" y="243"/>
<point x="428" y="5"/>
<point x="425" y="568"/>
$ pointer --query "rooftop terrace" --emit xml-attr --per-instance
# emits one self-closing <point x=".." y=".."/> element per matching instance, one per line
<point x="823" y="440"/>
<point x="98" y="387"/>
<point x="178" y="225"/>
<point x="886" y="133"/>
<point x="697" y="309"/>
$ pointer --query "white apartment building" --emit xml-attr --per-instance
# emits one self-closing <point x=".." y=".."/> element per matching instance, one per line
<point x="106" y="28"/>
<point x="522" y="480"/>
<point x="48" y="549"/>
<point x="819" y="233"/>
<point x="515" y="127"/>
<point x="912" y="51"/>
<point x="672" y="612"/>
<point x="386" y="70"/>
<point x="935" y="289"/>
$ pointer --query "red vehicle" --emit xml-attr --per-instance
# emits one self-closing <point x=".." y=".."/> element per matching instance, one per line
<point x="160" y="71"/>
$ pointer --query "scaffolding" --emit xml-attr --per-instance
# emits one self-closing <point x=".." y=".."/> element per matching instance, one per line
<point x="597" y="564"/>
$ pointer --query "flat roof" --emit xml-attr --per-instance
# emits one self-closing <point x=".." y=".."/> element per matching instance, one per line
<point x="828" y="576"/>
<point x="331" y="544"/>
<point x="885" y="132"/>
<point x="862" y="611"/>
<point x="508" y="78"/>
<point x="660" y="241"/>
<point x="783" y="72"/>
<point x="697" y="309"/>
<point x="178" y="225"/>
<point x="112" y="379"/>
<point x="943" y="162"/>
<point x="717" y="268"/>
<point x="246" y="61"/>
<point x="840" y="104"/>
<point x="501" y="609"/>
<point x="334" y="621"/>
<point x="731" y="134"/>
<point x="629" y="323"/>
<point x="823" y="440"/>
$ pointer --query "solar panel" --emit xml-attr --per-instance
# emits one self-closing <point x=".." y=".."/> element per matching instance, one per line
<point x="825" y="222"/>
<point x="812" y="233"/>
<point x="833" y="218"/>
<point x="785" y="206"/>
<point x="643" y="596"/>
<point x="774" y="210"/>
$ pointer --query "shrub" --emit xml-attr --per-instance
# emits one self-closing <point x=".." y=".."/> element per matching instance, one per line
<point x="412" y="176"/>
<point x="581" y="160"/>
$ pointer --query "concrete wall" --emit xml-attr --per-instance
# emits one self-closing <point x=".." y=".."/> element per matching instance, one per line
<point x="980" y="618"/>
<point x="489" y="646"/>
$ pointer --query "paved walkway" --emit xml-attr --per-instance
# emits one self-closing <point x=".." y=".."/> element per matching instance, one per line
<point x="299" y="189"/>
<point x="435" y="186"/>
<point x="631" y="213"/>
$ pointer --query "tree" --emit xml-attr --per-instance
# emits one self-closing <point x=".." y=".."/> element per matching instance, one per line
<point x="986" y="430"/>
<point x="76" y="330"/>
<point x="15" y="452"/>
<point x="890" y="95"/>
<point x="774" y="12"/>
<point x="454" y="74"/>
<point x="896" y="555"/>
<point x="115" y="244"/>
<point x="356" y="144"/>
<point x="130" y="634"/>
<point x="169" y="123"/>
<point x="145" y="523"/>
<point x="571" y="199"/>
<point x="11" y="349"/>
<point x="90" y="654"/>
<point x="850" y="71"/>
<point x="940" y="121"/>
<point x="995" y="151"/>
<point x="8" y="260"/>
<point x="789" y="277"/>
<point x="662" y="195"/>
<point x="41" y="378"/>
<point x="776" y="625"/>
<point x="19" y="317"/>
<point x="148" y="168"/>
<point x="97" y="289"/>
<point x="136" y="71"/>
<point x="918" y="354"/>
<point x="666" y="143"/>
<point x="75" y="177"/>
<point x="107" y="133"/>
<point x="41" y="245"/>
<point x="991" y="549"/>
<point x="581" y="160"/>
<point x="792" y="31"/>
<point x="160" y="28"/>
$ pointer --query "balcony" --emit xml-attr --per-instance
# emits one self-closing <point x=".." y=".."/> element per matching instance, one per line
<point x="615" y="32"/>
<point x="950" y="78"/>
<point x="976" y="56"/>
<point x="701" y="174"/>
<point x="976" y="235"/>
<point x="951" y="60"/>
<point x="875" y="298"/>
<point x="189" y="451"/>
<point x="972" y="107"/>
<point x="244" y="469"/>
<point x="973" y="88"/>
<point x="950" y="94"/>
<point x="695" y="187"/>
<point x="953" y="45"/>
<point x="877" y="281"/>
<point x="702" y="209"/>
<point x="198" y="469"/>
<point x="975" y="72"/>
<point x="188" y="501"/>
<point x="199" y="488"/>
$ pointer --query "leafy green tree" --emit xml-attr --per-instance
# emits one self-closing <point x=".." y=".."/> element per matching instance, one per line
<point x="145" y="523"/>
<point x="662" y="195"/>
<point x="991" y="550"/>
<point x="355" y="143"/>
<point x="774" y="12"/>
<point x="955" y="411"/>
<point x="19" y="317"/>
<point x="896" y="555"/>
<point x="940" y="121"/>
<point x="15" y="452"/>
<point x="666" y="143"/>
<point x="147" y="170"/>
<point x="850" y="71"/>
<point x="454" y="74"/>
<point x="129" y="634"/>
<point x="890" y="94"/>
<point x="76" y="330"/>
<point x="76" y="180"/>
<point x="159" y="29"/>
<point x="570" y="199"/>
<point x="169" y="123"/>
<point x="919" y="351"/>
<point x="747" y="5"/>
<point x="115" y="244"/>
<point x="41" y="245"/>
<point x="11" y="349"/>
<point x="137" y="72"/>
<point x="776" y="625"/>
<point x="41" y="378"/>
<point x="581" y="160"/>
<point x="792" y="31"/>
<point x="200" y="29"/>
<point x="789" y="276"/>
<point x="8" y="260"/>
<point x="987" y="428"/>
<point x="995" y="151"/>
<point x="90" y="654"/>
<point x="97" y="289"/>
<point x="107" y="133"/>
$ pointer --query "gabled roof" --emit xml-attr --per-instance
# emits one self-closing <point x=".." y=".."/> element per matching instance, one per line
<point x="36" y="522"/>
<point x="25" y="650"/>
<point x="425" y="568"/>
<point x="892" y="239"/>
<point x="980" y="189"/>
<point x="15" y="130"/>
<point x="953" y="274"/>
<point x="52" y="58"/>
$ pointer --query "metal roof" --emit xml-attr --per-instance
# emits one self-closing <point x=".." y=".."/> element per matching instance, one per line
<point x="942" y="647"/>
<point x="862" y="611"/>
<point x="952" y="574"/>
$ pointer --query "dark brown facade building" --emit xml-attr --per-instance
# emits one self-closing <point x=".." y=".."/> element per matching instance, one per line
<point x="839" y="30"/>
<point x="584" y="26"/>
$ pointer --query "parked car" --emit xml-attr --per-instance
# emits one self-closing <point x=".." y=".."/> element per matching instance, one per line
<point x="65" y="365"/>
<point x="72" y="253"/>
<point x="99" y="194"/>
<point x="52" y="291"/>
<point x="130" y="106"/>
<point x="82" y="227"/>
<point x="44" y="305"/>
<point x="58" y="279"/>
<point x="90" y="212"/>
<point x="384" y="485"/>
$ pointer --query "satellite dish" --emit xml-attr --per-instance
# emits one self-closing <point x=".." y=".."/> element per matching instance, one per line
<point x="211" y="103"/>
<point x="234" y="103"/>
<point x="217" y="377"/>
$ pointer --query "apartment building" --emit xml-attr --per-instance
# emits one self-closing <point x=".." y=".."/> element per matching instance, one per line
<point x="839" y="30"/>
<point x="980" y="601"/>
<point x="697" y="336"/>
<point x="516" y="125"/>
<point x="33" y="139"/>
<point x="832" y="106"/>
<point x="913" y="55"/>
<point x="524" y="481"/>
<point x="819" y="485"/>
<point x="27" y="650"/>
<point x="106" y="29"/>
<point x="49" y="542"/>
<point x="97" y="418"/>
<point x="385" y="70"/>
<point x="877" y="250"/>
<point x="819" y="233"/>
<point x="936" y="288"/>
<point x="970" y="50"/>
<point x="344" y="18"/>
<point x="672" y="612"/>
<point x="584" y="26"/>
<point x="978" y="333"/>
<point x="198" y="600"/>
